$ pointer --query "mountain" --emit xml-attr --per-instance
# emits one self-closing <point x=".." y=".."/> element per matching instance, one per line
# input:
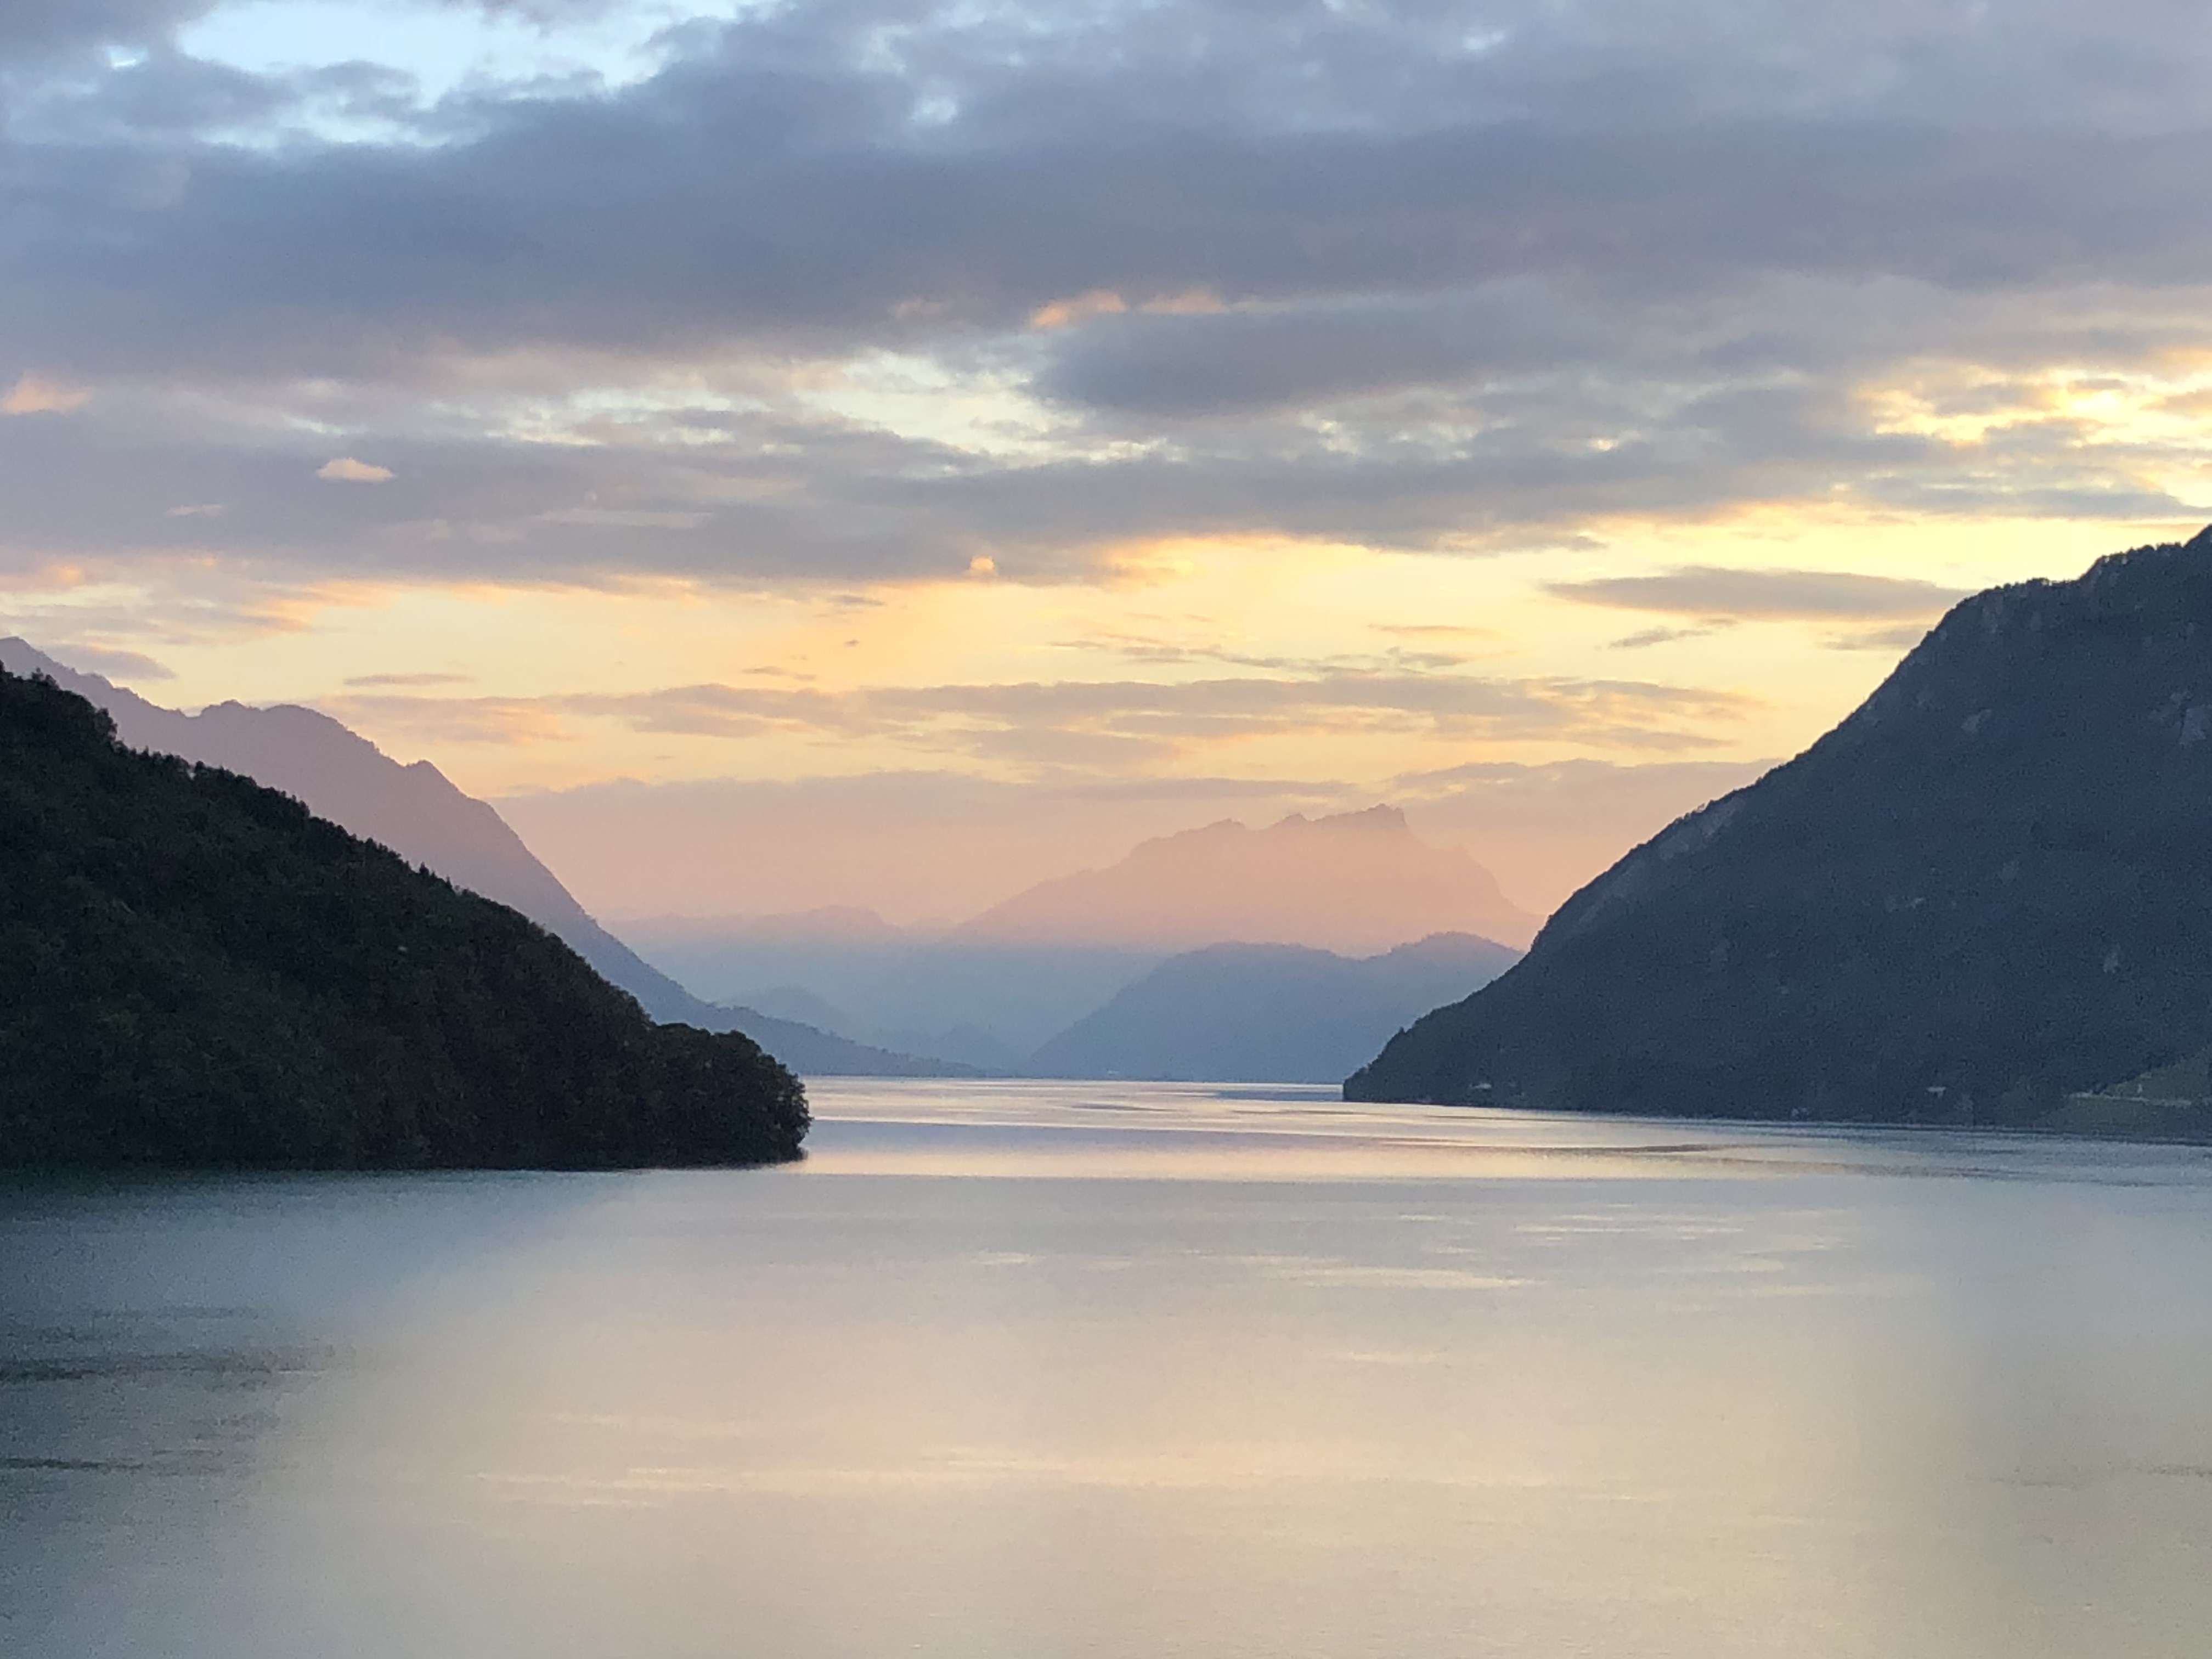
<point x="1268" y="1013"/>
<point x="981" y="1003"/>
<point x="988" y="992"/>
<point x="812" y="1052"/>
<point x="966" y="1043"/>
<point x="1356" y="883"/>
<point x="194" y="971"/>
<point x="795" y="1002"/>
<point x="420" y="814"/>
<point x="1985" y="891"/>
<point x="416" y="810"/>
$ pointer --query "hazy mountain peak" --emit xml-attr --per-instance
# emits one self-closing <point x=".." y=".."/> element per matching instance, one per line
<point x="1381" y="818"/>
<point x="1353" y="882"/>
<point x="1276" y="1013"/>
<point x="20" y="656"/>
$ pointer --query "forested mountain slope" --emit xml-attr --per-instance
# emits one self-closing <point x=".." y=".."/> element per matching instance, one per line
<point x="195" y="971"/>
<point x="422" y="815"/>
<point x="1988" y="889"/>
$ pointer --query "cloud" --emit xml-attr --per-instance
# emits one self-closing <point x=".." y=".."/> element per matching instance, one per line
<point x="1886" y="640"/>
<point x="1069" y="728"/>
<point x="786" y="491"/>
<point x="504" y="722"/>
<point x="1713" y="591"/>
<point x="845" y="296"/>
<point x="1099" y="302"/>
<point x="910" y="843"/>
<point x="870" y="293"/>
<point x="374" y="680"/>
<point x="52" y="24"/>
<point x="39" y="394"/>
<point x="622" y="517"/>
<point x="346" y="470"/>
<point x="945" y="843"/>
<point x="1183" y="364"/>
<point x="1108" y="162"/>
<point x="114" y="663"/>
<point x="33" y="26"/>
<point x="526" y="233"/>
<point x="1650" y="636"/>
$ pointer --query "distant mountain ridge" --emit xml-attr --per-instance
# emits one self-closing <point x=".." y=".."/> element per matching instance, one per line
<point x="918" y="991"/>
<point x="1268" y="1013"/>
<point x="991" y="990"/>
<point x="1983" y="896"/>
<point x="197" y="972"/>
<point x="1356" y="883"/>
<point x="417" y="812"/>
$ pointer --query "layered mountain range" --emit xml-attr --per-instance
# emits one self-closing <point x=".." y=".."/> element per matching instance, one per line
<point x="1268" y="1013"/>
<point x="1986" y="896"/>
<point x="994" y="991"/>
<point x="920" y="990"/>
<point x="1353" y="882"/>
<point x="1297" y="936"/>
<point x="415" y="811"/>
<point x="196" y="971"/>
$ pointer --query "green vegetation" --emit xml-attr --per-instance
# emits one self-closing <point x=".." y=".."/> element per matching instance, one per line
<point x="196" y="972"/>
<point x="1985" y="898"/>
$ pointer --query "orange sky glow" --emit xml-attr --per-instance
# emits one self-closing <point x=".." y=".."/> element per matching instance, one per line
<point x="1125" y="423"/>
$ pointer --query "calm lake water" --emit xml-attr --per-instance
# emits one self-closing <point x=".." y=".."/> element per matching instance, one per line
<point x="1016" y="1372"/>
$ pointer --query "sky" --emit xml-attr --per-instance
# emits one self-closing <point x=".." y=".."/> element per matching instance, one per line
<point x="881" y="451"/>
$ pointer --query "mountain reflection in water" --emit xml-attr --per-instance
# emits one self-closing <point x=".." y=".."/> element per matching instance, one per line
<point x="1007" y="1371"/>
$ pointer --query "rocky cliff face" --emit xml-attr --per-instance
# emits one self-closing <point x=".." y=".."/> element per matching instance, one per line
<point x="1989" y="887"/>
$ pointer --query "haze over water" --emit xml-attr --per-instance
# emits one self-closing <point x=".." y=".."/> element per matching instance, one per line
<point x="1013" y="1370"/>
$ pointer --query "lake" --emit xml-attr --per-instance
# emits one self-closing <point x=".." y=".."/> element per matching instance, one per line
<point x="1029" y="1370"/>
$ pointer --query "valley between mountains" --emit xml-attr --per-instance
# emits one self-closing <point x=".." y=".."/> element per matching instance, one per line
<point x="1284" y="954"/>
<point x="1982" y="899"/>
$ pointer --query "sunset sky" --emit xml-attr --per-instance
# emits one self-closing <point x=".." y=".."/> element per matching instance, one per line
<point x="877" y="452"/>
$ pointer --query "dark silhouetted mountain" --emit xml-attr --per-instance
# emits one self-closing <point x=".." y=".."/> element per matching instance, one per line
<point x="417" y="812"/>
<point x="1986" y="891"/>
<point x="1358" y="882"/>
<point x="195" y="971"/>
<point x="1268" y="1013"/>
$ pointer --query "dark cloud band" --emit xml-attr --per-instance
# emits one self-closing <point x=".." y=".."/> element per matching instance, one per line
<point x="1380" y="276"/>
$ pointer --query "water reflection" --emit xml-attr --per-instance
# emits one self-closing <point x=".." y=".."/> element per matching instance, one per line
<point x="1019" y="1370"/>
